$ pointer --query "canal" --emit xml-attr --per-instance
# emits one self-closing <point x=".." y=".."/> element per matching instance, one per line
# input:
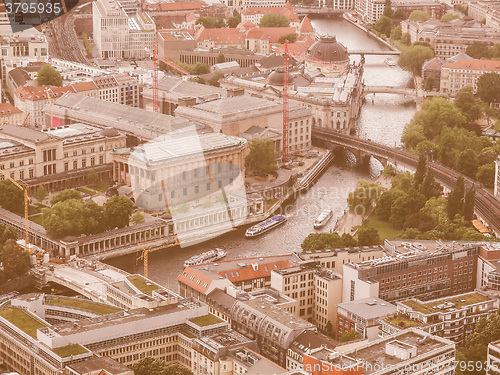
<point x="382" y="119"/>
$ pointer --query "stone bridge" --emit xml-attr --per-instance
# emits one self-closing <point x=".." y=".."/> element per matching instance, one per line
<point x="487" y="207"/>
<point x="318" y="11"/>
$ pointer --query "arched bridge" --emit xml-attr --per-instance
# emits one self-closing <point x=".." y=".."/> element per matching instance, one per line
<point x="389" y="90"/>
<point x="487" y="207"/>
<point x="374" y="52"/>
<point x="317" y="11"/>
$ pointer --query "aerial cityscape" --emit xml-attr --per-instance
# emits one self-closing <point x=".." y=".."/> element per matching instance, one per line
<point x="261" y="187"/>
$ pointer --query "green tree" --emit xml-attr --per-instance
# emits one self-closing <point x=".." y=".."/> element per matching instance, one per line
<point x="396" y="33"/>
<point x="478" y="50"/>
<point x="420" y="172"/>
<point x="383" y="25"/>
<point x="93" y="215"/>
<point x="455" y="202"/>
<point x="40" y="193"/>
<point x="292" y="38"/>
<point x="430" y="187"/>
<point x="467" y="103"/>
<point x="211" y="22"/>
<point x="487" y="155"/>
<point x="262" y="157"/>
<point x="388" y="12"/>
<point x="448" y="17"/>
<point x="488" y="87"/>
<point x="200" y="68"/>
<point x="199" y="80"/>
<point x="322" y="241"/>
<point x="48" y="76"/>
<point x="413" y="58"/>
<point x="399" y="14"/>
<point x="234" y="20"/>
<point x="406" y="39"/>
<point x="117" y="211"/>
<point x="486" y="174"/>
<point x="92" y="177"/>
<point x="65" y="218"/>
<point x="386" y="201"/>
<point x="16" y="261"/>
<point x="364" y="196"/>
<point x="274" y="20"/>
<point x="412" y="201"/>
<point x="467" y="163"/>
<point x="349" y="336"/>
<point x="65" y="195"/>
<point x="11" y="197"/>
<point x="368" y="236"/>
<point x="348" y="240"/>
<point x="177" y="369"/>
<point x="214" y="79"/>
<point x="436" y="208"/>
<point x="137" y="218"/>
<point x="221" y="58"/>
<point x="418" y="15"/>
<point x="149" y="366"/>
<point x="469" y="204"/>
<point x="420" y="221"/>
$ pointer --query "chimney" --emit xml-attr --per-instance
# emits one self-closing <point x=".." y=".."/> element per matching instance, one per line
<point x="187" y="101"/>
<point x="235" y="92"/>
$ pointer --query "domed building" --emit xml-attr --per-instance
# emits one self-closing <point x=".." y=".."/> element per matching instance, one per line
<point x="327" y="56"/>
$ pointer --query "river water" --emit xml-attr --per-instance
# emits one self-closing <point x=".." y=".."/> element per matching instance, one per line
<point x="381" y="119"/>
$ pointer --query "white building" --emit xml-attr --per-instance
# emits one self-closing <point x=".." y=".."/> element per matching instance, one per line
<point x="370" y="10"/>
<point x="456" y="75"/>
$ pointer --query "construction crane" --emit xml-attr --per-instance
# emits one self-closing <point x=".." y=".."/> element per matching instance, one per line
<point x="26" y="205"/>
<point x="155" y="58"/>
<point x="145" y="255"/>
<point x="25" y="118"/>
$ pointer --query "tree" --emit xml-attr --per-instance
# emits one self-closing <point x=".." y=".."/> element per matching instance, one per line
<point x="214" y="79"/>
<point x="488" y="87"/>
<point x="200" y="68"/>
<point x="137" y="218"/>
<point x="406" y="39"/>
<point x="411" y="202"/>
<point x="467" y="103"/>
<point x="418" y="15"/>
<point x="419" y="175"/>
<point x="467" y="163"/>
<point x="149" y="366"/>
<point x="48" y="76"/>
<point x="233" y="21"/>
<point x="384" y="25"/>
<point x="388" y="12"/>
<point x="117" y="212"/>
<point x="211" y="22"/>
<point x="11" y="197"/>
<point x="221" y="58"/>
<point x="292" y="38"/>
<point x="40" y="193"/>
<point x="430" y="187"/>
<point x="486" y="174"/>
<point x="368" y="236"/>
<point x="92" y="177"/>
<point x="349" y="336"/>
<point x="396" y="33"/>
<point x="274" y="20"/>
<point x="65" y="218"/>
<point x="16" y="261"/>
<point x="420" y="221"/>
<point x="386" y="202"/>
<point x="430" y="82"/>
<point x="364" y="196"/>
<point x="199" y="80"/>
<point x="177" y="369"/>
<point x="322" y="241"/>
<point x="455" y="202"/>
<point x="487" y="155"/>
<point x="262" y="156"/>
<point x="399" y="14"/>
<point x="348" y="240"/>
<point x="478" y="50"/>
<point x="469" y="204"/>
<point x="448" y="17"/>
<point x="65" y="195"/>
<point x="413" y="58"/>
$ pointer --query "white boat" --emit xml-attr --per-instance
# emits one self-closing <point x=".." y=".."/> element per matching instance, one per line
<point x="389" y="61"/>
<point x="323" y="218"/>
<point x="265" y="225"/>
<point x="207" y="257"/>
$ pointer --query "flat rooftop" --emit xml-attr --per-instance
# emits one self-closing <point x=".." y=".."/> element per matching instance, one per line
<point x="22" y="319"/>
<point x="224" y="339"/>
<point x="448" y="303"/>
<point x="308" y="254"/>
<point x="25" y="134"/>
<point x="97" y="308"/>
<point x="368" y="308"/>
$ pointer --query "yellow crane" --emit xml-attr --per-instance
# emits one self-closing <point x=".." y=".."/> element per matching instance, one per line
<point x="145" y="255"/>
<point x="49" y="93"/>
<point x="26" y="205"/>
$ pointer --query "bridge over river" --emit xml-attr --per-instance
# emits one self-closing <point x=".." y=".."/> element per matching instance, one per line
<point x="487" y="207"/>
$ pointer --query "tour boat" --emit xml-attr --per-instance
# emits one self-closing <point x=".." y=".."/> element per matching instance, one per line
<point x="323" y="218"/>
<point x="265" y="225"/>
<point x="207" y="257"/>
<point x="390" y="62"/>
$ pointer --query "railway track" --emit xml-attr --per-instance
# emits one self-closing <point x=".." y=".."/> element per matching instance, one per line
<point x="65" y="43"/>
<point x="486" y="205"/>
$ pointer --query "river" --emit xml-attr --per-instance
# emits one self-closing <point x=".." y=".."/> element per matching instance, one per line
<point x="382" y="120"/>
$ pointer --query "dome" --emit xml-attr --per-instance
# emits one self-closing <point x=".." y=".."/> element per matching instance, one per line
<point x="328" y="49"/>
<point x="109" y="132"/>
<point x="277" y="76"/>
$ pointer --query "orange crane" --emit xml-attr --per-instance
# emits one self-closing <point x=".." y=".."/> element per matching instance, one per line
<point x="26" y="205"/>
<point x="155" y="58"/>
<point x="24" y="121"/>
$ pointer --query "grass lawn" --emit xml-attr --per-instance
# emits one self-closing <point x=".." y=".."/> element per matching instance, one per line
<point x="398" y="43"/>
<point x="140" y="283"/>
<point x="69" y="350"/>
<point x="384" y="228"/>
<point x="36" y="219"/>
<point x="187" y="334"/>
<point x="402" y="321"/>
<point x="102" y="186"/>
<point x="459" y="301"/>
<point x="22" y="320"/>
<point x="86" y="190"/>
<point x="82" y="304"/>
<point x="205" y="320"/>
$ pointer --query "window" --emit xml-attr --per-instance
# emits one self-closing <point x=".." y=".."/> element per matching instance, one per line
<point x="75" y="164"/>
<point x="21" y="175"/>
<point x="66" y="166"/>
<point x="84" y="163"/>
<point x="30" y="172"/>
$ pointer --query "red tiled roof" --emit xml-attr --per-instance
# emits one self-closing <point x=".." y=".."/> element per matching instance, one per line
<point x="84" y="86"/>
<point x="38" y="93"/>
<point x="288" y="13"/>
<point x="177" y="6"/>
<point x="272" y="34"/>
<point x="220" y="36"/>
<point x="6" y="107"/>
<point x="194" y="279"/>
<point x="487" y="65"/>
<point x="305" y="25"/>
<point x="248" y="273"/>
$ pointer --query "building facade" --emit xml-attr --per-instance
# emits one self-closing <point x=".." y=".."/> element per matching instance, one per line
<point x="456" y="75"/>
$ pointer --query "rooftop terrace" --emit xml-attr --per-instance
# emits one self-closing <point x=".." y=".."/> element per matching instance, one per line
<point x="454" y="302"/>
<point x="22" y="320"/>
<point x="94" y="307"/>
<point x="142" y="284"/>
<point x="69" y="350"/>
<point x="206" y="320"/>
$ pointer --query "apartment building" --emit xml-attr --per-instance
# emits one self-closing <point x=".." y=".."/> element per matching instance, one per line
<point x="456" y="75"/>
<point x="362" y="316"/>
<point x="57" y="158"/>
<point x="240" y="5"/>
<point x="487" y="11"/>
<point x="370" y="10"/>
<point x="11" y="115"/>
<point x="317" y="291"/>
<point x="21" y="46"/>
<point x="493" y="358"/>
<point x="425" y="270"/>
<point x="453" y="318"/>
<point x="411" y="351"/>
<point x="255" y="14"/>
